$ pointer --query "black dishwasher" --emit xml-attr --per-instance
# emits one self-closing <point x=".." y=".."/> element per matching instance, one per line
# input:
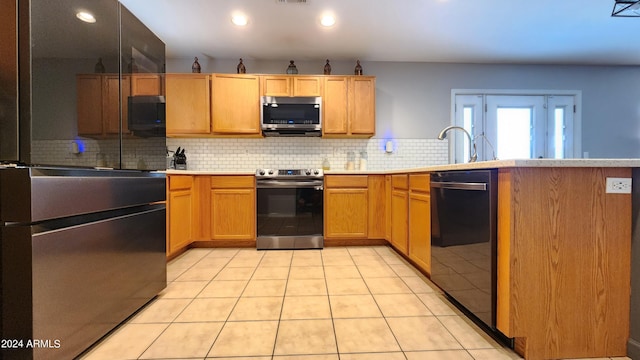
<point x="463" y="239"/>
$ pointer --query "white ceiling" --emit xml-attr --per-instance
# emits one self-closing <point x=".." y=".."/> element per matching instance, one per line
<point x="469" y="31"/>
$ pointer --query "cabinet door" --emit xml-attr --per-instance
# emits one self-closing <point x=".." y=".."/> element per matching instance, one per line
<point x="276" y="85"/>
<point x="89" y="104"/>
<point x="235" y="104"/>
<point x="362" y="105"/>
<point x="146" y="84"/>
<point x="420" y="230"/>
<point x="233" y="214"/>
<point x="188" y="108"/>
<point x="376" y="207"/>
<point x="334" y="105"/>
<point x="399" y="219"/>
<point x="346" y="213"/>
<point x="180" y="220"/>
<point x="111" y="104"/>
<point x="307" y="86"/>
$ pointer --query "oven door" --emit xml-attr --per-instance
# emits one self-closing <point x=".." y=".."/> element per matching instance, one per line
<point x="289" y="214"/>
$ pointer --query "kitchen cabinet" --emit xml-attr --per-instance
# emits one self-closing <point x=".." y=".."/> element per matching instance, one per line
<point x="146" y="84"/>
<point x="377" y="211"/>
<point x="99" y="98"/>
<point x="233" y="208"/>
<point x="188" y="100"/>
<point x="563" y="262"/>
<point x="420" y="221"/>
<point x="346" y="206"/>
<point x="291" y="85"/>
<point x="181" y="207"/>
<point x="400" y="212"/>
<point x="349" y="106"/>
<point x="235" y="104"/>
<point x="98" y="104"/>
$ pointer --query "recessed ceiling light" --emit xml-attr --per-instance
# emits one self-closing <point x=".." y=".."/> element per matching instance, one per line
<point x="239" y="20"/>
<point x="327" y="20"/>
<point x="86" y="16"/>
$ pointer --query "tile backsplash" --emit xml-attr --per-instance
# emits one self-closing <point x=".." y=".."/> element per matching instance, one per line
<point x="297" y="152"/>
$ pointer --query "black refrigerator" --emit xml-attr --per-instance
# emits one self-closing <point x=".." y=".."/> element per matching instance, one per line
<point x="82" y="200"/>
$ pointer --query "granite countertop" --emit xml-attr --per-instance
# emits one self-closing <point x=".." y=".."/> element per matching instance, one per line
<point x="493" y="164"/>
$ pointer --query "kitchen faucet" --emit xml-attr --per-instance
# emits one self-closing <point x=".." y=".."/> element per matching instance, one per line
<point x="473" y="154"/>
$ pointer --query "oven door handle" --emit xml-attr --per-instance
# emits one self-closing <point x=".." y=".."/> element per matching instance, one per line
<point x="459" y="185"/>
<point x="288" y="184"/>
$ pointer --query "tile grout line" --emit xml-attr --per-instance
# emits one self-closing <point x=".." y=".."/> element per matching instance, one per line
<point x="284" y="297"/>
<point x="333" y="324"/>
<point x="234" y="305"/>
<point x="376" y="302"/>
<point x="172" y="321"/>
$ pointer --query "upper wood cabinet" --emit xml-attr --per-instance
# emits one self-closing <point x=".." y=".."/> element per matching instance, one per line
<point x="89" y="102"/>
<point x="98" y="104"/>
<point x="235" y="104"/>
<point x="188" y="99"/>
<point x="291" y="85"/>
<point x="349" y="106"/>
<point x="362" y="105"/>
<point x="146" y="84"/>
<point x="335" y="103"/>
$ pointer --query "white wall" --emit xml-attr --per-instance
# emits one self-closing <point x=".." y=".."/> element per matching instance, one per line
<point x="413" y="99"/>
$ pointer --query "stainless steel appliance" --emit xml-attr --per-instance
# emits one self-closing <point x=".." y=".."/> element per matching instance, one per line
<point x="147" y="115"/>
<point x="291" y="116"/>
<point x="290" y="209"/>
<point x="463" y="239"/>
<point x="81" y="250"/>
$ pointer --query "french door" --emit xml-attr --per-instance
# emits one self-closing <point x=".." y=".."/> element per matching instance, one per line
<point x="515" y="126"/>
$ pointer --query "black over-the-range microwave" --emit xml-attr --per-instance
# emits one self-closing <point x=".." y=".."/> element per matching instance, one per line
<point x="291" y="116"/>
<point x="146" y="116"/>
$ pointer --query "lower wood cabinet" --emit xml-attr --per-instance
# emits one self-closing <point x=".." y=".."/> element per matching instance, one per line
<point x="203" y="208"/>
<point x="346" y="199"/>
<point x="377" y="211"/>
<point x="233" y="208"/>
<point x="180" y="213"/>
<point x="420" y="221"/>
<point x="400" y="212"/>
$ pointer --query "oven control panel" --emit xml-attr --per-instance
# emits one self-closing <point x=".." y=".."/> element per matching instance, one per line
<point x="289" y="173"/>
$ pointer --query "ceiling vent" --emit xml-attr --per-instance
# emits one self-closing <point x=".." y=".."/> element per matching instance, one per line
<point x="291" y="1"/>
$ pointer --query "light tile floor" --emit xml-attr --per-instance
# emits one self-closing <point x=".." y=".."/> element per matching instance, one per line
<point x="346" y="303"/>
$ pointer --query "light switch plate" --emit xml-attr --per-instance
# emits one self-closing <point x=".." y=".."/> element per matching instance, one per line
<point x="619" y="185"/>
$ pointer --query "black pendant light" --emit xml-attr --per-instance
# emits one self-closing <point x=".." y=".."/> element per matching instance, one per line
<point x="626" y="8"/>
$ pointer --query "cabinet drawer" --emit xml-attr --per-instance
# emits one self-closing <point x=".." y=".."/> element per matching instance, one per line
<point x="346" y="181"/>
<point x="400" y="181"/>
<point x="419" y="182"/>
<point x="180" y="182"/>
<point x="221" y="182"/>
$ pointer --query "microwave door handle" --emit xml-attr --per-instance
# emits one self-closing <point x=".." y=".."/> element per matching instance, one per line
<point x="270" y="184"/>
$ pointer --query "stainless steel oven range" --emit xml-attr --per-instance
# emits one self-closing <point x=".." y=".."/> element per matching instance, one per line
<point x="290" y="209"/>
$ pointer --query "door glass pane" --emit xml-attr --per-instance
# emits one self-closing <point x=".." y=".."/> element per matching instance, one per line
<point x="558" y="131"/>
<point x="467" y="125"/>
<point x="514" y="133"/>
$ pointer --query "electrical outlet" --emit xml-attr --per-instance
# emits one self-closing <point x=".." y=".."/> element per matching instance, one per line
<point x="619" y="185"/>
